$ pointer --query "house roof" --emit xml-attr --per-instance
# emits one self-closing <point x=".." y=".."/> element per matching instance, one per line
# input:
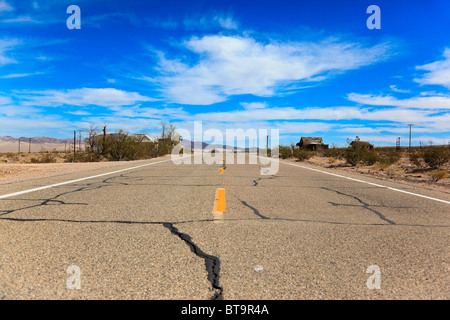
<point x="312" y="140"/>
<point x="145" y="137"/>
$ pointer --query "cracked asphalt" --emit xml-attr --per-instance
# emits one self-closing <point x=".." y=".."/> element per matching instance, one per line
<point x="149" y="233"/>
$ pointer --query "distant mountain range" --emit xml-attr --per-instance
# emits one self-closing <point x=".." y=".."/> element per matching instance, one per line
<point x="184" y="143"/>
<point x="34" y="139"/>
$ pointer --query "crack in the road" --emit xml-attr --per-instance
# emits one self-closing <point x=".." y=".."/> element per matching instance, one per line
<point x="255" y="211"/>
<point x="47" y="201"/>
<point x="212" y="263"/>
<point x="88" y="187"/>
<point x="124" y="176"/>
<point x="256" y="181"/>
<point x="363" y="205"/>
<point x="212" y="220"/>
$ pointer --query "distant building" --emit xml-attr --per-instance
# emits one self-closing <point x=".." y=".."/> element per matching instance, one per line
<point x="144" y="137"/>
<point x="361" y="144"/>
<point x="312" y="143"/>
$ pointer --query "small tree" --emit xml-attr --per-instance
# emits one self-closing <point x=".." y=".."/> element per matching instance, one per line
<point x="90" y="140"/>
<point x="169" y="138"/>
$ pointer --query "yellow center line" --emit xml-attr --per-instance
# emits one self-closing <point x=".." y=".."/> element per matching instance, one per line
<point x="219" y="205"/>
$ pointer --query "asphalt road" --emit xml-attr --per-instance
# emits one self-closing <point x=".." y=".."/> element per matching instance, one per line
<point x="150" y="233"/>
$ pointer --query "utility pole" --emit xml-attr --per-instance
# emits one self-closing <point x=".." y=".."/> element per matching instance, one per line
<point x="79" y="140"/>
<point x="29" y="146"/>
<point x="74" y="144"/>
<point x="104" y="140"/>
<point x="410" y="125"/>
<point x="19" y="145"/>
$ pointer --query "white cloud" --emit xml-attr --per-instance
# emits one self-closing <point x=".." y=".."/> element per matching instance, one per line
<point x="227" y="23"/>
<point x="210" y="22"/>
<point x="396" y="89"/>
<point x="20" y="19"/>
<point x="399" y="115"/>
<point x="438" y="71"/>
<point x="5" y="100"/>
<point x="20" y="75"/>
<point x="20" y="126"/>
<point x="145" y="112"/>
<point x="4" y="6"/>
<point x="11" y="110"/>
<point x="234" y="65"/>
<point x="427" y="102"/>
<point x="399" y="129"/>
<point x="105" y="97"/>
<point x="79" y="113"/>
<point x="254" y="105"/>
<point x="7" y="45"/>
<point x="132" y="125"/>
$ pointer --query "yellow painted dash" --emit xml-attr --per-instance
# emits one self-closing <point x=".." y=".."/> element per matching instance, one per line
<point x="219" y="205"/>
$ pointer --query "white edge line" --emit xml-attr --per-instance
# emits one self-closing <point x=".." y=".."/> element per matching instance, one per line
<point x="77" y="180"/>
<point x="366" y="182"/>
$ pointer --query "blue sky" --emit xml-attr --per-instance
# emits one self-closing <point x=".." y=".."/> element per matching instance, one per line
<point x="307" y="68"/>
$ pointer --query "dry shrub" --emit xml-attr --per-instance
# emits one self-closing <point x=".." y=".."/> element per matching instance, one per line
<point x="355" y="156"/>
<point x="285" y="152"/>
<point x="44" y="158"/>
<point x="388" y="155"/>
<point x="415" y="157"/>
<point x="437" y="175"/>
<point x="436" y="157"/>
<point x="302" y="154"/>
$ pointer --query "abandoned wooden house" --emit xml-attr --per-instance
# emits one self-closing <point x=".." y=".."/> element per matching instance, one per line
<point x="312" y="143"/>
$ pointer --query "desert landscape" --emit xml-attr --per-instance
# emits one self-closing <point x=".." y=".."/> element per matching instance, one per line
<point x="50" y="157"/>
<point x="403" y="170"/>
<point x="35" y="144"/>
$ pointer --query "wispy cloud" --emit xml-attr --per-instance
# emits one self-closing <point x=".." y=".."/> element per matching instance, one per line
<point x="21" y="19"/>
<point x="4" y="6"/>
<point x="438" y="72"/>
<point x="396" y="89"/>
<point x="20" y="75"/>
<point x="234" y="65"/>
<point x="5" y="100"/>
<point x="210" y="22"/>
<point x="343" y="113"/>
<point x="105" y="97"/>
<point x="5" y="46"/>
<point x="427" y="102"/>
